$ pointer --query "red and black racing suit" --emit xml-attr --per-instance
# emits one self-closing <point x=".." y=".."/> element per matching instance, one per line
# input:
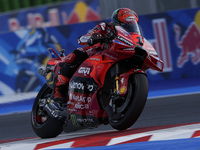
<point x="72" y="61"/>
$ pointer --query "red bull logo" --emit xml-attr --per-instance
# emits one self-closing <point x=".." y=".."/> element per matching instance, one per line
<point x="189" y="43"/>
<point x="81" y="13"/>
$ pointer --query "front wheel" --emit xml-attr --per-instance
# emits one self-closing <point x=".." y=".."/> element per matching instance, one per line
<point x="130" y="107"/>
<point x="43" y="125"/>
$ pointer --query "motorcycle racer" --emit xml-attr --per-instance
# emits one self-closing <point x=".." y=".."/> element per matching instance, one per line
<point x="91" y="43"/>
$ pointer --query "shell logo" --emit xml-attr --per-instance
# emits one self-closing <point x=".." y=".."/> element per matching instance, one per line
<point x="122" y="90"/>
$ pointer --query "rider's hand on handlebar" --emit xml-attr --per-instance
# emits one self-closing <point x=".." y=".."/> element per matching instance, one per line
<point x="94" y="39"/>
<point x="97" y="37"/>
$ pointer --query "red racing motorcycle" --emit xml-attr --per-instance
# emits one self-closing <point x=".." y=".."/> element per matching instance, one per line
<point x="110" y="87"/>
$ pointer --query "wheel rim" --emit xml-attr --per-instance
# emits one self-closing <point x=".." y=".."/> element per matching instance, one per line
<point x="40" y="119"/>
<point x="121" y="110"/>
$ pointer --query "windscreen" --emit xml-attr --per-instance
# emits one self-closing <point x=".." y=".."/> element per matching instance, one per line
<point x="132" y="27"/>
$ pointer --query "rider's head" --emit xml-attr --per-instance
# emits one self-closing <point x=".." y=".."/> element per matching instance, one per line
<point x="126" y="18"/>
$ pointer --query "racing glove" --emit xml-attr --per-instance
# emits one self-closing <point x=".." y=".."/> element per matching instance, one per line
<point x="94" y="39"/>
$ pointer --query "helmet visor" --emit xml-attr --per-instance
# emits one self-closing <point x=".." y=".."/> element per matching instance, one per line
<point x="131" y="27"/>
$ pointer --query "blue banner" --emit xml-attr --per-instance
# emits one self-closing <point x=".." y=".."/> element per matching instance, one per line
<point x="175" y="35"/>
<point x="51" y="15"/>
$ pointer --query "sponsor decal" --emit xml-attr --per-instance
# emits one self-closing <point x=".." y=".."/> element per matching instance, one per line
<point x="79" y="98"/>
<point x="80" y="86"/>
<point x="97" y="59"/>
<point x="122" y="90"/>
<point x="76" y="85"/>
<point x="82" y="106"/>
<point x="124" y="40"/>
<point x="85" y="120"/>
<point x="90" y="87"/>
<point x="84" y="70"/>
<point x="74" y="121"/>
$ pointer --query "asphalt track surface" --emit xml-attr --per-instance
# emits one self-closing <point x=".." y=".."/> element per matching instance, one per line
<point x="157" y="112"/>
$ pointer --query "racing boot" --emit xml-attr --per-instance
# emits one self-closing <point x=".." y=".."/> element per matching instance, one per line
<point x="53" y="105"/>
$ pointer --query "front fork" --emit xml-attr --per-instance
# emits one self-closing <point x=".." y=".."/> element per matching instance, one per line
<point x="115" y="99"/>
<point x="117" y="84"/>
<point x="121" y="87"/>
<point x="115" y="96"/>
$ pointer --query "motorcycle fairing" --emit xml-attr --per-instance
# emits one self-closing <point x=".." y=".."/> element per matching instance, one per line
<point x="154" y="63"/>
<point x="123" y="80"/>
<point x="77" y="122"/>
<point x="84" y="85"/>
<point x="82" y="94"/>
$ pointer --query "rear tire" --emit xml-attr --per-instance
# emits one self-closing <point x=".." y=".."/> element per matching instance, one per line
<point x="43" y="125"/>
<point x="138" y="91"/>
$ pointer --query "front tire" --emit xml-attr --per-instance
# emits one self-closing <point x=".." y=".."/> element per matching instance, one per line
<point x="43" y="125"/>
<point x="136" y="98"/>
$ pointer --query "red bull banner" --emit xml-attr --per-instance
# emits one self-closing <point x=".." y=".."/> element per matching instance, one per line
<point x="176" y="37"/>
<point x="48" y="15"/>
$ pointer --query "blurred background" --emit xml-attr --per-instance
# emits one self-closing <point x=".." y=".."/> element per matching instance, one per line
<point x="106" y="6"/>
<point x="28" y="28"/>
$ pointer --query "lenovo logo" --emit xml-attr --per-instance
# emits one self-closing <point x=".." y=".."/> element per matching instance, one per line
<point x="124" y="40"/>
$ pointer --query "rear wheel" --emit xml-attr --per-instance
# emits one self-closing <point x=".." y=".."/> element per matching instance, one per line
<point x="129" y="108"/>
<point x="43" y="125"/>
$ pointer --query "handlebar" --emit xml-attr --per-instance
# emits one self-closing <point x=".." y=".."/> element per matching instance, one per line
<point x="97" y="37"/>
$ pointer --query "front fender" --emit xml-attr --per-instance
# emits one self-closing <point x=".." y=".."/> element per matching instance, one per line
<point x="124" y="79"/>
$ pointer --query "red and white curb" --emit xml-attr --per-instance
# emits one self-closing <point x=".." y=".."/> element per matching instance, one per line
<point x="169" y="132"/>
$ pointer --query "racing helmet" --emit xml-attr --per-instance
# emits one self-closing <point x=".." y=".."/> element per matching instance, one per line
<point x="127" y="19"/>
